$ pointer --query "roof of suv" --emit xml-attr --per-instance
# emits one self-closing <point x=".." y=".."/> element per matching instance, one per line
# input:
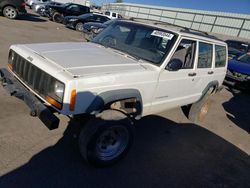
<point x="177" y="29"/>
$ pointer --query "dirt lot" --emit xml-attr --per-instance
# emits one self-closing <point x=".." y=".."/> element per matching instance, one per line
<point x="169" y="151"/>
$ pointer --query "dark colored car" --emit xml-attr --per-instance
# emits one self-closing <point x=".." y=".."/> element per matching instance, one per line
<point x="95" y="28"/>
<point x="238" y="72"/>
<point x="12" y="8"/>
<point x="57" y="13"/>
<point x="43" y="10"/>
<point x="76" y="22"/>
<point x="237" y="48"/>
<point x="234" y="53"/>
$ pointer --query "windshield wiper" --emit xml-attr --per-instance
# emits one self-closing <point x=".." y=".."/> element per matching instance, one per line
<point x="127" y="54"/>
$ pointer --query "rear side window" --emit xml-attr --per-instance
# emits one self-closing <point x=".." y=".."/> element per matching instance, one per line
<point x="205" y="55"/>
<point x="220" y="56"/>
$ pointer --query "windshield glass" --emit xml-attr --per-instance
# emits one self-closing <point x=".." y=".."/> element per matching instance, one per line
<point x="66" y="4"/>
<point x="140" y="41"/>
<point x="245" y="58"/>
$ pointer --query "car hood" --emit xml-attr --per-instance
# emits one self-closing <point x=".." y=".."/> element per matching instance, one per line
<point x="239" y="67"/>
<point x="85" y="59"/>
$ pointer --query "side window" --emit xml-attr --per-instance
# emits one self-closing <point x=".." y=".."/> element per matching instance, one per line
<point x="83" y="9"/>
<point x="205" y="55"/>
<point x="73" y="8"/>
<point x="107" y="13"/>
<point x="185" y="52"/>
<point x="91" y="18"/>
<point x="220" y="56"/>
<point x="103" y="19"/>
<point x="114" y="15"/>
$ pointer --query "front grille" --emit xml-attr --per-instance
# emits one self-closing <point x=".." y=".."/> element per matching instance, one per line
<point x="35" y="78"/>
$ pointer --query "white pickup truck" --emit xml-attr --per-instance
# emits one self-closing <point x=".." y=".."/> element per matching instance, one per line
<point x="128" y="71"/>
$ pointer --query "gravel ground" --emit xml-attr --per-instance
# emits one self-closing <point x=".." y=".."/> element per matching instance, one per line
<point x="169" y="151"/>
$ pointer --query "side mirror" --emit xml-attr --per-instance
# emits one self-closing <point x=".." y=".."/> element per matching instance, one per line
<point x="174" y="65"/>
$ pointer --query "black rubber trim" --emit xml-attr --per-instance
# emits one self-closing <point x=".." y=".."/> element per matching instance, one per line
<point x="115" y="95"/>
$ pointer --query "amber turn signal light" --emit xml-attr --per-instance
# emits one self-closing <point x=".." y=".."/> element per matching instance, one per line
<point x="72" y="100"/>
<point x="54" y="102"/>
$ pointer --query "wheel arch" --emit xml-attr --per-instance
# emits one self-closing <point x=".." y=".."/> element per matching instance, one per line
<point x="213" y="84"/>
<point x="105" y="99"/>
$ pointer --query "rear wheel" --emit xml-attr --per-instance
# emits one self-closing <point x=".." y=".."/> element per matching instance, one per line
<point x="105" y="139"/>
<point x="198" y="111"/>
<point x="79" y="26"/>
<point x="10" y="12"/>
<point x="57" y="17"/>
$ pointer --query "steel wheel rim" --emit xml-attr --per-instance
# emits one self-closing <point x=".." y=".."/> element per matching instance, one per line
<point x="79" y="27"/>
<point x="10" y="12"/>
<point x="111" y="143"/>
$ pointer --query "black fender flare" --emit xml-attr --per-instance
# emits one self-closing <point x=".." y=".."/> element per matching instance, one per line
<point x="214" y="84"/>
<point x="102" y="99"/>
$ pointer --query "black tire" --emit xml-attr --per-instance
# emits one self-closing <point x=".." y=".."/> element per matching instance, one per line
<point x="57" y="17"/>
<point x="79" y="26"/>
<point x="106" y="139"/>
<point x="10" y="12"/>
<point x="197" y="111"/>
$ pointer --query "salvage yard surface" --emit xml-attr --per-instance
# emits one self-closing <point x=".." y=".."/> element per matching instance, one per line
<point x="169" y="151"/>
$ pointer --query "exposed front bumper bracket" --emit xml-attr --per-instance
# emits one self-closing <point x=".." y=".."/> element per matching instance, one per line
<point x="15" y="88"/>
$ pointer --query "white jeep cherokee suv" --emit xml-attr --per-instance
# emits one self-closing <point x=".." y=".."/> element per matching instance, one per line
<point x="128" y="71"/>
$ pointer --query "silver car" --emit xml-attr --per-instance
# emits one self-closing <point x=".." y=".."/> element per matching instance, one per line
<point x="29" y="3"/>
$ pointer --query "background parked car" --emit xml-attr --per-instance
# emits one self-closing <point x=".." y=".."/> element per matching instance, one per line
<point x="44" y="9"/>
<point x="12" y="8"/>
<point x="237" y="48"/>
<point x="57" y="13"/>
<point x="76" y="22"/>
<point x="234" y="53"/>
<point x="40" y="7"/>
<point x="29" y="3"/>
<point x="91" y="29"/>
<point x="112" y="15"/>
<point x="238" y="73"/>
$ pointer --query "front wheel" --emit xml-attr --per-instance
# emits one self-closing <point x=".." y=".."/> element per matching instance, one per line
<point x="10" y="12"/>
<point x="79" y="26"/>
<point x="107" y="138"/>
<point x="57" y="17"/>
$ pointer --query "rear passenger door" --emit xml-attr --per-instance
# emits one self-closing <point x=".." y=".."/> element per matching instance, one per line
<point x="220" y="66"/>
<point x="205" y="65"/>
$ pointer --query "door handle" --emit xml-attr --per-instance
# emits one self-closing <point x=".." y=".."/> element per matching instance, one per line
<point x="210" y="72"/>
<point x="192" y="74"/>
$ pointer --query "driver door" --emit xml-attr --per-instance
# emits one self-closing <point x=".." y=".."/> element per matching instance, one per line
<point x="177" y="88"/>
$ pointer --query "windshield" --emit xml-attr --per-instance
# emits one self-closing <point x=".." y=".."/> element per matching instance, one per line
<point x="244" y="58"/>
<point x="66" y="4"/>
<point x="140" y="41"/>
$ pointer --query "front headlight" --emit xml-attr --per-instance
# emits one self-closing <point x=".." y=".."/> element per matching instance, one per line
<point x="72" y="19"/>
<point x="11" y="59"/>
<point x="56" y="93"/>
<point x="96" y="31"/>
<point x="59" y="89"/>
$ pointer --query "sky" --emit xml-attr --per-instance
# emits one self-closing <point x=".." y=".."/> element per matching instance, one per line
<point x="235" y="6"/>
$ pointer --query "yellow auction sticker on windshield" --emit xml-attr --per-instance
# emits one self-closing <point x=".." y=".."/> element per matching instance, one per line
<point x="162" y="34"/>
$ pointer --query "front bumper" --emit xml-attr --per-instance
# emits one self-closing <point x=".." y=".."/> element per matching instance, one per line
<point x="69" y="24"/>
<point x="236" y="81"/>
<point x="15" y="88"/>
